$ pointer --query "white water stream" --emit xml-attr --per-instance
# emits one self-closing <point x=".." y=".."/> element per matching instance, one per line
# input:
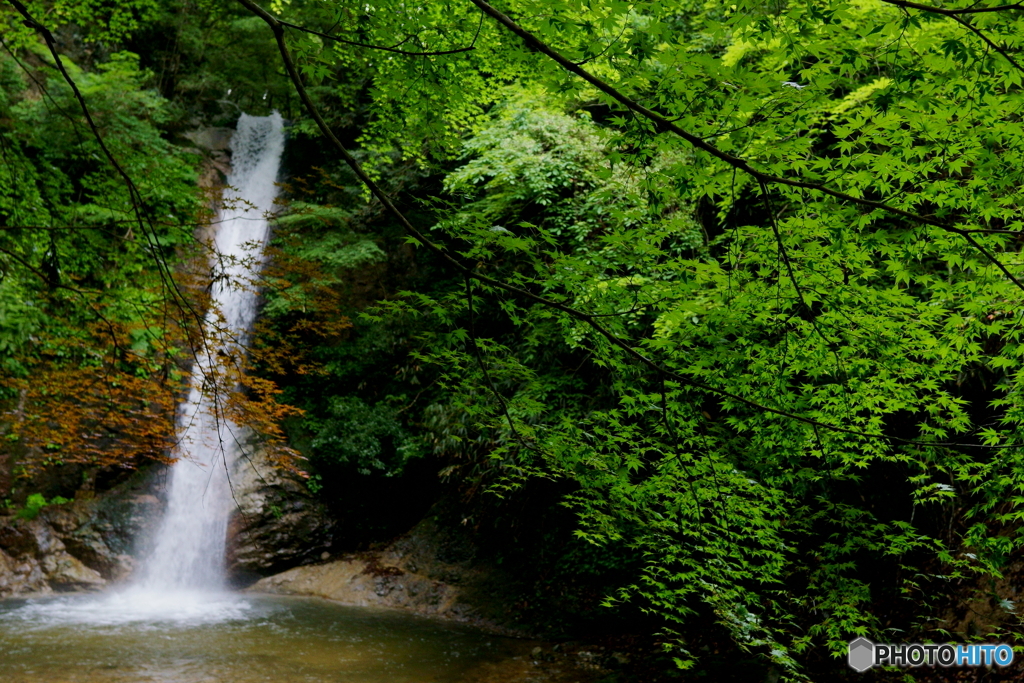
<point x="189" y="550"/>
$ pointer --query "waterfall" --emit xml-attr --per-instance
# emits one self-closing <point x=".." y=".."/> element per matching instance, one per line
<point x="189" y="545"/>
<point x="182" y="581"/>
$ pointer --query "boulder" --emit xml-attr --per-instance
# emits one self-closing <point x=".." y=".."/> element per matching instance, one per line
<point x="431" y="570"/>
<point x="361" y="581"/>
<point x="64" y="572"/>
<point x="19" y="575"/>
<point x="276" y="524"/>
<point x="211" y="138"/>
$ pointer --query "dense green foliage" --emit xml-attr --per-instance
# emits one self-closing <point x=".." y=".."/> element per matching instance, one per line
<point x="742" y="280"/>
<point x="86" y="321"/>
<point x="68" y="220"/>
<point x="783" y="390"/>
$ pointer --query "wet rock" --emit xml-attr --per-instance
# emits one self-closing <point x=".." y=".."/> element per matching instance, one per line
<point x="588" y="661"/>
<point x="19" y="575"/>
<point x="34" y="560"/>
<point x="430" y="570"/>
<point x="64" y="572"/>
<point x="412" y="573"/>
<point x="359" y="581"/>
<point x="45" y="539"/>
<point x="212" y="139"/>
<point x="539" y="654"/>
<point x="616" y="660"/>
<point x="382" y="587"/>
<point x="80" y="545"/>
<point x="31" y="539"/>
<point x="88" y="546"/>
<point x="16" y="539"/>
<point x="276" y="524"/>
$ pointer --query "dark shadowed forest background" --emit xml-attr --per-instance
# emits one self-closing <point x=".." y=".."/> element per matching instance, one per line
<point x="701" y="321"/>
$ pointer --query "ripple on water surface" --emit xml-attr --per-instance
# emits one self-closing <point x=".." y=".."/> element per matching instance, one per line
<point x="221" y="638"/>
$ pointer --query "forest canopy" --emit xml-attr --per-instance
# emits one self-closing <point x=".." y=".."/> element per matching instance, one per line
<point x="742" y="278"/>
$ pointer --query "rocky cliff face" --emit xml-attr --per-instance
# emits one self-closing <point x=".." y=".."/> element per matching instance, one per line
<point x="88" y="544"/>
<point x="81" y="545"/>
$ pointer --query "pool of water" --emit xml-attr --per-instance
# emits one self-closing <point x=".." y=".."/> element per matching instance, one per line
<point x="196" y="638"/>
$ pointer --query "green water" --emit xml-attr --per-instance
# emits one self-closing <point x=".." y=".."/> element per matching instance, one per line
<point x="268" y="640"/>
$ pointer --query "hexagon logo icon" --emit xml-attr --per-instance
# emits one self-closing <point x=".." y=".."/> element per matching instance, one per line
<point x="861" y="655"/>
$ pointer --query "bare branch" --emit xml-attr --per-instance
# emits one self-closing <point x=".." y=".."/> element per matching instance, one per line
<point x="952" y="12"/>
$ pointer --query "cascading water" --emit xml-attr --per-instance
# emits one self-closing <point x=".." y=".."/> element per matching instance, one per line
<point x="189" y="549"/>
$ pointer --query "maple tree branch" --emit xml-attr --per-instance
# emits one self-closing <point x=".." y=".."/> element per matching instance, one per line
<point x="663" y="124"/>
<point x="955" y="16"/>
<point x="478" y="354"/>
<point x="353" y="43"/>
<point x="277" y="28"/>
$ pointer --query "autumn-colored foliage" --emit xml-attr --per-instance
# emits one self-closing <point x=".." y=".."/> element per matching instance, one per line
<point x="107" y="411"/>
<point x="109" y="395"/>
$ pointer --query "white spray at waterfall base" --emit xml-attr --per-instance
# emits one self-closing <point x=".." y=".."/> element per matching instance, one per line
<point x="183" y="579"/>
